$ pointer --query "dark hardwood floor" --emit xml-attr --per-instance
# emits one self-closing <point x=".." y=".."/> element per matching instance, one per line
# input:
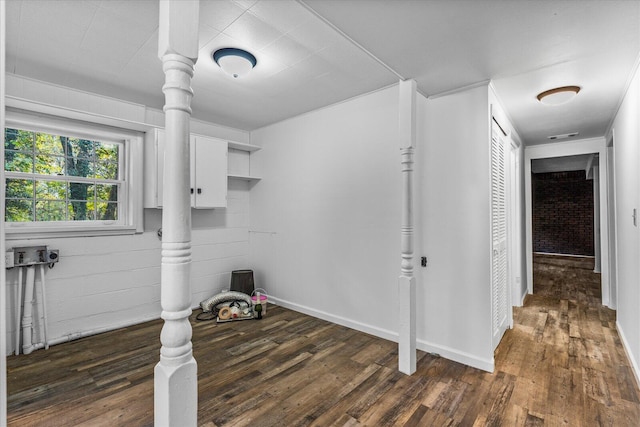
<point x="561" y="365"/>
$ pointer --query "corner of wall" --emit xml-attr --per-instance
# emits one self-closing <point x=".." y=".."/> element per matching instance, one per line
<point x="632" y="358"/>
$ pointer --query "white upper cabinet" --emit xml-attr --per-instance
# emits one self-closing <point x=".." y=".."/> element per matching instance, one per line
<point x="208" y="171"/>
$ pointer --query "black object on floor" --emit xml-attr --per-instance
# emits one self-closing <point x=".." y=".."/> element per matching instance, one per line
<point x="242" y="281"/>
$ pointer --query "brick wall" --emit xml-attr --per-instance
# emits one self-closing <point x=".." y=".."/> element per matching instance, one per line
<point x="562" y="213"/>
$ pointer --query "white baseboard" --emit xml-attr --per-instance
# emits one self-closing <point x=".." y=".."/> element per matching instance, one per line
<point x="523" y="296"/>
<point x="443" y="351"/>
<point x="457" y="356"/>
<point x="339" y="320"/>
<point x="630" y="355"/>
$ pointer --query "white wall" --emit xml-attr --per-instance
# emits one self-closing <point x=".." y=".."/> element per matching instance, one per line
<point x="112" y="281"/>
<point x="325" y="219"/>
<point x="627" y="181"/>
<point x="454" y="318"/>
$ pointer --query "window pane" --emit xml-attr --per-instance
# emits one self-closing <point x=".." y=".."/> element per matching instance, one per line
<point x="107" y="192"/>
<point x="79" y="148"/>
<point x="106" y="170"/>
<point x="16" y="139"/>
<point x="49" y="144"/>
<point x="49" y="165"/>
<point x="107" y="211"/>
<point x="18" y="210"/>
<point x="19" y="201"/>
<point x="79" y="194"/>
<point x="80" y="191"/>
<point x="51" y="190"/>
<point x="15" y="161"/>
<point x="107" y="152"/>
<point x="79" y="211"/>
<point x="19" y="188"/>
<point x="80" y="167"/>
<point x="51" y="210"/>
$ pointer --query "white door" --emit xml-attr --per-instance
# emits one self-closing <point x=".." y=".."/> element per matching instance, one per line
<point x="499" y="295"/>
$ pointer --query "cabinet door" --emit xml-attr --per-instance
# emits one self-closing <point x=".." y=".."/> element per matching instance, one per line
<point x="208" y="172"/>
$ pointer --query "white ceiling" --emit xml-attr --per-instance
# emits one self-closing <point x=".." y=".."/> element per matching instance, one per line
<point x="319" y="52"/>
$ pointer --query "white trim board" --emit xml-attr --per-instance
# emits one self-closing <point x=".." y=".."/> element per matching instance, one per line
<point x="444" y="351"/>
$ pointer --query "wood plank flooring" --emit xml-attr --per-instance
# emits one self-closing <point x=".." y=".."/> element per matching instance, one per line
<point x="561" y="365"/>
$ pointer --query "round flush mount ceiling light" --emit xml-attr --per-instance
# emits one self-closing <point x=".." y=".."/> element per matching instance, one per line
<point x="558" y="95"/>
<point x="235" y="62"/>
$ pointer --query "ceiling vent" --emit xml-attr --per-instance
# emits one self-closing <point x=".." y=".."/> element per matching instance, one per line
<point x="563" y="136"/>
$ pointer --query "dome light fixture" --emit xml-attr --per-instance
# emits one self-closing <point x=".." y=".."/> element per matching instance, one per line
<point x="235" y="62"/>
<point x="558" y="95"/>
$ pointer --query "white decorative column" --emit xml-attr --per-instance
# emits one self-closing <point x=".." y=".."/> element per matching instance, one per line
<point x="406" y="282"/>
<point x="176" y="375"/>
<point x="3" y="279"/>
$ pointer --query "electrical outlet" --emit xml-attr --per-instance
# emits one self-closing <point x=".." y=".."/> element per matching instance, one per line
<point x="53" y="255"/>
<point x="423" y="261"/>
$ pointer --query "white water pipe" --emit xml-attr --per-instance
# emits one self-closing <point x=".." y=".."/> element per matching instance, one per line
<point x="18" y="310"/>
<point x="27" y="312"/>
<point x="44" y="307"/>
<point x="84" y="334"/>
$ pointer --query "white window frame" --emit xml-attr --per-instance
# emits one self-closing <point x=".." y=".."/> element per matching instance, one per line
<point x="131" y="206"/>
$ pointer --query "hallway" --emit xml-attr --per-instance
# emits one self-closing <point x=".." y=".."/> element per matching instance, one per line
<point x="566" y="352"/>
<point x="562" y="364"/>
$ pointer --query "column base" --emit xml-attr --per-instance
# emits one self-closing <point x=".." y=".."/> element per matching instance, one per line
<point x="407" y="323"/>
<point x="176" y="395"/>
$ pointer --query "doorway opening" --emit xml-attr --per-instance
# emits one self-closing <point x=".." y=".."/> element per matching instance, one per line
<point x="565" y="228"/>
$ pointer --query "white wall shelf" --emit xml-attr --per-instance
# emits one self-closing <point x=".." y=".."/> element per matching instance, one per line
<point x="243" y="146"/>
<point x="244" y="177"/>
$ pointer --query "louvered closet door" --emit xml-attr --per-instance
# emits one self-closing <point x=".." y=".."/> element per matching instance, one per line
<point x="499" y="236"/>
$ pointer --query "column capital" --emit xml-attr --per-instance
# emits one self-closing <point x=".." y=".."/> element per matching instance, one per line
<point x="178" y="30"/>
<point x="407" y="113"/>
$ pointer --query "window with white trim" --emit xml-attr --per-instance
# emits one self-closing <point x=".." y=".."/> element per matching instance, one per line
<point x="65" y="176"/>
<point x="61" y="178"/>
